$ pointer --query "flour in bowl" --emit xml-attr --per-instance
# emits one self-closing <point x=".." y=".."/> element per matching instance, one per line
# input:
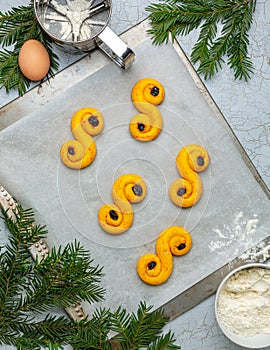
<point x="243" y="304"/>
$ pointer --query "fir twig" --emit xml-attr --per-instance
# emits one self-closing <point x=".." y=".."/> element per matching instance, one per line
<point x="179" y="17"/>
<point x="93" y="333"/>
<point x="141" y="330"/>
<point x="24" y="228"/>
<point x="64" y="277"/>
<point x="17" y="26"/>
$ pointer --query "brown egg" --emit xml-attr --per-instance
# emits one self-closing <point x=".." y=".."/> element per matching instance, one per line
<point x="34" y="60"/>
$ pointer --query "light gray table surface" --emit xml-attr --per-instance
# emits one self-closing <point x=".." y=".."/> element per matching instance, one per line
<point x="246" y="108"/>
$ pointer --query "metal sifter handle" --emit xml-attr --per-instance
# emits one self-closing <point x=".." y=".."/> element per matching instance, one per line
<point x="115" y="48"/>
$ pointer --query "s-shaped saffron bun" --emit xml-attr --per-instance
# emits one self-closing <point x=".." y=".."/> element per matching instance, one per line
<point x="187" y="190"/>
<point x="81" y="152"/>
<point x="145" y="95"/>
<point x="117" y="218"/>
<point x="157" y="268"/>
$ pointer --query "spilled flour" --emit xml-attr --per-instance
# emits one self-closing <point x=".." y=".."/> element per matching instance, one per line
<point x="243" y="304"/>
<point x="241" y="229"/>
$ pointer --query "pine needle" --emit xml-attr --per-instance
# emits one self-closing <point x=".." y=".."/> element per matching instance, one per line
<point x="181" y="17"/>
<point x="66" y="276"/>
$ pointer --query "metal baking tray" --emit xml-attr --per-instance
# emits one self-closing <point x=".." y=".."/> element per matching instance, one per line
<point x="231" y="216"/>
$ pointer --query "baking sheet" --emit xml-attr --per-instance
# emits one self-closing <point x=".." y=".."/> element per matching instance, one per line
<point x="232" y="215"/>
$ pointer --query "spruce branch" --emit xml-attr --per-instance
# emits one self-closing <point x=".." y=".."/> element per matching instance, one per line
<point x="165" y="341"/>
<point x="93" y="333"/>
<point x="29" y="288"/>
<point x="10" y="75"/>
<point x="140" y="330"/>
<point x="16" y="27"/>
<point x="23" y="228"/>
<point x="179" y="17"/>
<point x="49" y="333"/>
<point x="64" y="278"/>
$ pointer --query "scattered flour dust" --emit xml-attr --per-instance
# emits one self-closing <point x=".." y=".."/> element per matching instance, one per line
<point x="243" y="304"/>
<point x="241" y="229"/>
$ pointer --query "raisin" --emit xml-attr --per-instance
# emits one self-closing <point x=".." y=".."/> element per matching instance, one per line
<point x="93" y="120"/>
<point x="152" y="265"/>
<point x="154" y="91"/>
<point x="181" y="246"/>
<point x="113" y="215"/>
<point x="181" y="192"/>
<point x="71" y="151"/>
<point x="137" y="190"/>
<point x="200" y="161"/>
<point x="141" y="126"/>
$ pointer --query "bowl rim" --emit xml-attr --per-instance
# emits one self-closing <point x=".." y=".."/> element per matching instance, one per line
<point x="255" y="342"/>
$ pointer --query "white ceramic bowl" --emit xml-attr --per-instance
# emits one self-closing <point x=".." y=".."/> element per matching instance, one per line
<point x="254" y="342"/>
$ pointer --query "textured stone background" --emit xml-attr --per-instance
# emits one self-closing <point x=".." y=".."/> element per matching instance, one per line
<point x="245" y="107"/>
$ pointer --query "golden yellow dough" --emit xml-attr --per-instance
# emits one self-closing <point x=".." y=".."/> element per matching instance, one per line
<point x="187" y="190"/>
<point x="145" y="95"/>
<point x="156" y="268"/>
<point x="118" y="217"/>
<point x="81" y="152"/>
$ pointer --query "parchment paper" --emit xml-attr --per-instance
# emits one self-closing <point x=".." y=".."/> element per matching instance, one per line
<point x="232" y="215"/>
